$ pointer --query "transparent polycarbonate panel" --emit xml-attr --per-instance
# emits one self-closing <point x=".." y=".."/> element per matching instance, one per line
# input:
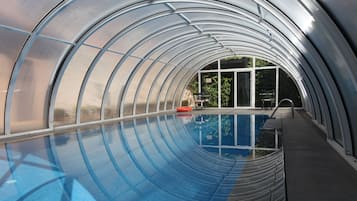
<point x="297" y="12"/>
<point x="173" y="89"/>
<point x="234" y="5"/>
<point x="189" y="59"/>
<point x="133" y="87"/>
<point x="93" y="94"/>
<point x="243" y="39"/>
<point x="133" y="37"/>
<point x="174" y="47"/>
<point x="225" y="17"/>
<point x="342" y="12"/>
<point x="180" y="91"/>
<point x="249" y="6"/>
<point x="165" y="39"/>
<point x="163" y="94"/>
<point x="105" y="33"/>
<point x="170" y="86"/>
<point x="186" y="50"/>
<point x="200" y="56"/>
<point x="13" y="41"/>
<point x="67" y="95"/>
<point x="75" y="18"/>
<point x="25" y="14"/>
<point x="279" y="25"/>
<point x="155" y="88"/>
<point x="31" y="96"/>
<point x="233" y="29"/>
<point x="169" y="103"/>
<point x="182" y="88"/>
<point x="188" y="98"/>
<point x="209" y="86"/>
<point x="112" y="104"/>
<point x="180" y="47"/>
<point x="191" y="49"/>
<point x="189" y="5"/>
<point x="186" y="73"/>
<point x="242" y="47"/>
<point x="145" y="84"/>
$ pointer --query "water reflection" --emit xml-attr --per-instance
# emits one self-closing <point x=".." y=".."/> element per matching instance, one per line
<point x="233" y="136"/>
<point x="156" y="158"/>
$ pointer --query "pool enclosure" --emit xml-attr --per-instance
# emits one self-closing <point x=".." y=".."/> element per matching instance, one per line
<point x="78" y="62"/>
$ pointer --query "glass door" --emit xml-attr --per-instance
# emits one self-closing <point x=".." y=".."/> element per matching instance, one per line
<point x="209" y="85"/>
<point x="243" y="89"/>
<point x="227" y="89"/>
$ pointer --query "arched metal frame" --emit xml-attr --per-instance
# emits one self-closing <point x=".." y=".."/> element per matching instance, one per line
<point x="103" y="50"/>
<point x="156" y="60"/>
<point x="202" y="40"/>
<point x="19" y="61"/>
<point x="160" y="31"/>
<point x="330" y="91"/>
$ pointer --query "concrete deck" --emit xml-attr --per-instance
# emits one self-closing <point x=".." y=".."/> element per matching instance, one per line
<point x="314" y="170"/>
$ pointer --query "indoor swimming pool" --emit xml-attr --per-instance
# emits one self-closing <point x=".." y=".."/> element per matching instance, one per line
<point x="168" y="157"/>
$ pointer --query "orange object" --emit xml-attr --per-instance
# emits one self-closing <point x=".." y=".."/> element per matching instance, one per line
<point x="184" y="109"/>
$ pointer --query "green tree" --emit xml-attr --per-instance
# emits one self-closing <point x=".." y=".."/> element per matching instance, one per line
<point x="226" y="90"/>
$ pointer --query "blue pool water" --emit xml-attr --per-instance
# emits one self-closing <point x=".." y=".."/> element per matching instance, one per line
<point x="156" y="158"/>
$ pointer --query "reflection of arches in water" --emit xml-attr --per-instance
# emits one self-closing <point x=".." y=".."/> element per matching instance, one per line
<point x="154" y="157"/>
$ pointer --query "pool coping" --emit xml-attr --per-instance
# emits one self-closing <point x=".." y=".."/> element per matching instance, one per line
<point x="27" y="135"/>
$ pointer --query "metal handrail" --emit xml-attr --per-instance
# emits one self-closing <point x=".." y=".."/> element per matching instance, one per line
<point x="280" y="102"/>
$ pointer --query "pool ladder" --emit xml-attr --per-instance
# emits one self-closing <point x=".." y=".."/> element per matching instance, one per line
<point x="280" y="102"/>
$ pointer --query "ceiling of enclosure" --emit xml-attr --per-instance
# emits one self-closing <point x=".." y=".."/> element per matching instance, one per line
<point x="75" y="61"/>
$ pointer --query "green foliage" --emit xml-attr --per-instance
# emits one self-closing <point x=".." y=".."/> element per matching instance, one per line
<point x="261" y="63"/>
<point x="226" y="90"/>
<point x="211" y="88"/>
<point x="193" y="85"/>
<point x="264" y="83"/>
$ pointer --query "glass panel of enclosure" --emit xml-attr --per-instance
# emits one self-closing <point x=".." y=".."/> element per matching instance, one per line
<point x="288" y="89"/>
<point x="209" y="86"/>
<point x="265" y="88"/>
<point x="236" y="62"/>
<point x="227" y="89"/>
<point x="262" y="63"/>
<point x="243" y="89"/>
<point x="244" y="85"/>
<point x="212" y="66"/>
